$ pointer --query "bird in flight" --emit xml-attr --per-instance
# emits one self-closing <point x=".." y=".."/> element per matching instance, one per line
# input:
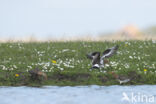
<point x="97" y="60"/>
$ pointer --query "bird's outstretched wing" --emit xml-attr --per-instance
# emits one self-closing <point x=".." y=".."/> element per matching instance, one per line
<point x="91" y="55"/>
<point x="109" y="52"/>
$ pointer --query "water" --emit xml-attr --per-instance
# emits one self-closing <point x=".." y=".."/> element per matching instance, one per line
<point x="145" y="94"/>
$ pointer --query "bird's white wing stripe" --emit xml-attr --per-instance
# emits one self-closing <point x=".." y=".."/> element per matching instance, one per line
<point x="112" y="51"/>
<point x="107" y="54"/>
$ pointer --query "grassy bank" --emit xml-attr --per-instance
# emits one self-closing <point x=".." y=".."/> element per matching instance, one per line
<point x="65" y="63"/>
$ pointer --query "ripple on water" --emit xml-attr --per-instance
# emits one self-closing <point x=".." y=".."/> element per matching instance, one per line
<point x="74" y="95"/>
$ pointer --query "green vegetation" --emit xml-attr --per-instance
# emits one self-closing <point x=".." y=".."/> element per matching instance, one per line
<point x="65" y="63"/>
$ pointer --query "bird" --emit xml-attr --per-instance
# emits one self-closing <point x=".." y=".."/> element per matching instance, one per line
<point x="36" y="73"/>
<point x="121" y="78"/>
<point x="99" y="61"/>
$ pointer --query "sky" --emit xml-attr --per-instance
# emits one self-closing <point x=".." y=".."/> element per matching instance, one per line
<point x="59" y="18"/>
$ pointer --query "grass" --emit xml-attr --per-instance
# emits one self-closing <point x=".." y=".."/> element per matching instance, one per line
<point x="65" y="63"/>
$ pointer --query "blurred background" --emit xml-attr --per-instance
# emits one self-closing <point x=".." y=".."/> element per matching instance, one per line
<point x="42" y="20"/>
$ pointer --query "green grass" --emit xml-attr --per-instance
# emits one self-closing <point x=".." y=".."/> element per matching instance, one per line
<point x="72" y="66"/>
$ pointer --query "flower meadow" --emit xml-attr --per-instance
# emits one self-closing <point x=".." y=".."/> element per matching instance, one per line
<point x="65" y="63"/>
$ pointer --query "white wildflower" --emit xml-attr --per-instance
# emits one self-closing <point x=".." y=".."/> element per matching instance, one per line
<point x="30" y="67"/>
<point x="15" y="66"/>
<point x="64" y="50"/>
<point x="130" y="57"/>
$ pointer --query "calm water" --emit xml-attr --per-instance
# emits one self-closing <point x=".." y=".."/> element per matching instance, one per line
<point x="145" y="94"/>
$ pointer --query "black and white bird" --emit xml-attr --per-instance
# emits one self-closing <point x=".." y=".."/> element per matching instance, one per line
<point x="97" y="60"/>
